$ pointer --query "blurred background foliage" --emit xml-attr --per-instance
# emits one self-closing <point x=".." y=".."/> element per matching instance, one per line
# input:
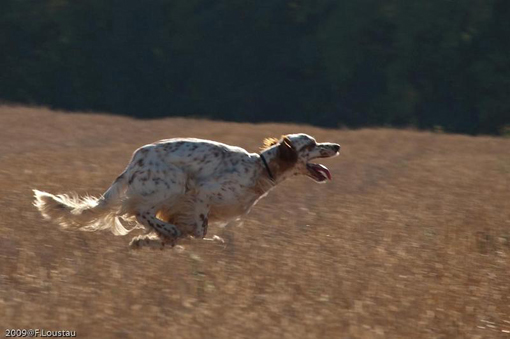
<point x="425" y="63"/>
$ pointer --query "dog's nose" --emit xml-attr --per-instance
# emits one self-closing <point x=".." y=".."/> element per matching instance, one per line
<point x="336" y="147"/>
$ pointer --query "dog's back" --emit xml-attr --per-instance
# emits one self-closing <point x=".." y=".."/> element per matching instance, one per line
<point x="197" y="157"/>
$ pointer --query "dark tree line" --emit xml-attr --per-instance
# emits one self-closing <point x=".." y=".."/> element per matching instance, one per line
<point x="423" y="63"/>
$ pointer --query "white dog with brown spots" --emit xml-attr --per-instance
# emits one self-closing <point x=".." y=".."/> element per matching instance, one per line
<point x="174" y="188"/>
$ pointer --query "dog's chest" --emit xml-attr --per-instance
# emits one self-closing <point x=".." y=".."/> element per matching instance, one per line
<point x="227" y="205"/>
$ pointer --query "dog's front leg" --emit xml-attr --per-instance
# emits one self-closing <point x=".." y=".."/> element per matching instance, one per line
<point x="201" y="219"/>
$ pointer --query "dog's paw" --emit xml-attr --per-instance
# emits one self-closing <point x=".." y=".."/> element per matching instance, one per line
<point x="215" y="238"/>
<point x="151" y="241"/>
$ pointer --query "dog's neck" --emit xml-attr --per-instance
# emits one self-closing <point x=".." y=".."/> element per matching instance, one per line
<point x="268" y="158"/>
<point x="270" y="174"/>
<point x="266" y="166"/>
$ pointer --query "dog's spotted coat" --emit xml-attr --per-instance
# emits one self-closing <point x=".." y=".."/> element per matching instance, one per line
<point x="174" y="188"/>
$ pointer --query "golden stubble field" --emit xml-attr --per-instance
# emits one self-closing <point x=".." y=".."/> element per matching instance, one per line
<point x="411" y="239"/>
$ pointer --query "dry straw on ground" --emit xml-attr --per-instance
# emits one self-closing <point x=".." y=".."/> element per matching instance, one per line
<point x="411" y="239"/>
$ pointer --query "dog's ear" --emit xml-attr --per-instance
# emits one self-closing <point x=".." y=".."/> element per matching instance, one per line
<point x="287" y="151"/>
<point x="268" y="142"/>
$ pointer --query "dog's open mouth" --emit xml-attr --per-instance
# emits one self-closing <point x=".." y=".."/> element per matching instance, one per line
<point x="318" y="172"/>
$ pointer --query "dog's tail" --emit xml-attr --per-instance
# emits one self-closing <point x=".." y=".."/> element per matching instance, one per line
<point x="85" y="213"/>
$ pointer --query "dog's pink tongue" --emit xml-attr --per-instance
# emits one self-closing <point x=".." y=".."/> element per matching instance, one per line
<point x="323" y="169"/>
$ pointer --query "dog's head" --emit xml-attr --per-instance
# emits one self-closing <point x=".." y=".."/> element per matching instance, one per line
<point x="294" y="153"/>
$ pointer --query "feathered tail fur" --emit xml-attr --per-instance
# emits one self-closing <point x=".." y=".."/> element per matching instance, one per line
<point x="85" y="213"/>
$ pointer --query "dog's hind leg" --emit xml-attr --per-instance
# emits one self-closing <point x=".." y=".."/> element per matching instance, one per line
<point x="167" y="231"/>
<point x="151" y="240"/>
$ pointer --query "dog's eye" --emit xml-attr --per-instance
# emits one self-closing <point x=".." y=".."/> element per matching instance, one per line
<point x="308" y="147"/>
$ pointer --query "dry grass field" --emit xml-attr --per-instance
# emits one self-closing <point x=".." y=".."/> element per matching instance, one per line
<point x="411" y="239"/>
